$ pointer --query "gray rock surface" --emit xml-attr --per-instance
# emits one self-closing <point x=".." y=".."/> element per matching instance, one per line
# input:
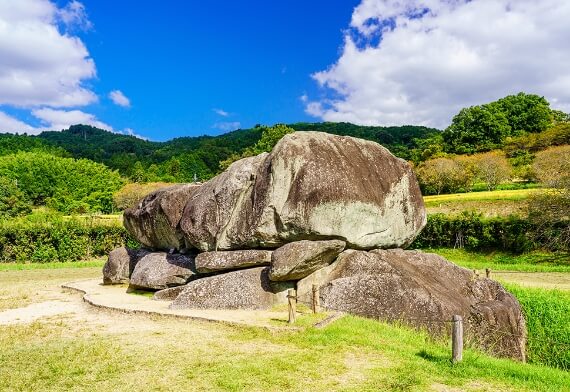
<point x="242" y="289"/>
<point x="418" y="288"/>
<point x="312" y="186"/>
<point x="161" y="270"/>
<point x="316" y="185"/>
<point x="232" y="259"/>
<point x="120" y="265"/>
<point x="154" y="221"/>
<point x="298" y="259"/>
<point x="168" y="294"/>
<point x="216" y="218"/>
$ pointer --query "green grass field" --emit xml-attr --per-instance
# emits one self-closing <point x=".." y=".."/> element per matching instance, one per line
<point x="501" y="261"/>
<point x="490" y="204"/>
<point x="352" y="354"/>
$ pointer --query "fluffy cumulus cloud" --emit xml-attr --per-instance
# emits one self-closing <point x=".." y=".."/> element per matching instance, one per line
<point x="62" y="119"/>
<point x="119" y="98"/>
<point x="419" y="62"/>
<point x="40" y="64"/>
<point x="13" y="125"/>
<point x="44" y="67"/>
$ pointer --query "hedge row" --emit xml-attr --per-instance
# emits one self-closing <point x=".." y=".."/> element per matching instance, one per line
<point x="472" y="231"/>
<point x="60" y="241"/>
<point x="77" y="240"/>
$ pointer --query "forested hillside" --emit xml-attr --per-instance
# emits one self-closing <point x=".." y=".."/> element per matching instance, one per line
<point x="486" y="146"/>
<point x="179" y="159"/>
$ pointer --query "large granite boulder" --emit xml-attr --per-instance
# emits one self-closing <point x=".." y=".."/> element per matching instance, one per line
<point x="423" y="290"/>
<point x="154" y="221"/>
<point x="243" y="289"/>
<point x="316" y="185"/>
<point x="298" y="259"/>
<point x="232" y="259"/>
<point x="312" y="186"/>
<point x="120" y="265"/>
<point x="215" y="217"/>
<point x="161" y="270"/>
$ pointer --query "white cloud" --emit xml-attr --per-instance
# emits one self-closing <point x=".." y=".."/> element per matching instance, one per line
<point x="40" y="65"/>
<point x="227" y="126"/>
<point x="57" y="120"/>
<point x="221" y="112"/>
<point x="131" y="132"/>
<point x="419" y="62"/>
<point x="304" y="98"/>
<point x="74" y="15"/>
<point x="12" y="125"/>
<point x="119" y="98"/>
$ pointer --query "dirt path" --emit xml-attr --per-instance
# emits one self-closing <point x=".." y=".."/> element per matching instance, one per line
<point x="545" y="280"/>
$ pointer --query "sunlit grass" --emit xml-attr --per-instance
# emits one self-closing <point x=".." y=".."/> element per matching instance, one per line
<point x="530" y="262"/>
<point x="516" y="194"/>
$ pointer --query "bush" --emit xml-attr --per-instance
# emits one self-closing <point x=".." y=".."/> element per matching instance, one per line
<point x="473" y="231"/>
<point x="59" y="240"/>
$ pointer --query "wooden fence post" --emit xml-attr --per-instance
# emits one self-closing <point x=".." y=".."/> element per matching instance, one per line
<point x="292" y="299"/>
<point x="315" y="298"/>
<point x="457" y="339"/>
<point x="488" y="272"/>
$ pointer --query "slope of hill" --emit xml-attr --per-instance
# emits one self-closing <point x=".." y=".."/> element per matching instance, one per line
<point x="200" y="155"/>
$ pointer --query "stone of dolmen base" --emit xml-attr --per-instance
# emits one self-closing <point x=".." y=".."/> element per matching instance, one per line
<point x="298" y="259"/>
<point x="232" y="259"/>
<point x="161" y="270"/>
<point x="244" y="289"/>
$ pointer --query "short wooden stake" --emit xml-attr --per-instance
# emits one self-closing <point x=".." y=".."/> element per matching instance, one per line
<point x="457" y="339"/>
<point x="488" y="272"/>
<point x="315" y="298"/>
<point x="292" y="299"/>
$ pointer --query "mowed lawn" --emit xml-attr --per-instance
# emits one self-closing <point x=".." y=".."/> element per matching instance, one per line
<point x="91" y="350"/>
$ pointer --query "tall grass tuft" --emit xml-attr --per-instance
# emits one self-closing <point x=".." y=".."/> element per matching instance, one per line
<point x="547" y="314"/>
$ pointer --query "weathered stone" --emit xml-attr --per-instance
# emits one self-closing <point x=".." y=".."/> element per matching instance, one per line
<point x="315" y="185"/>
<point x="169" y="294"/>
<point x="160" y="270"/>
<point x="312" y="186"/>
<point x="423" y="290"/>
<point x="154" y="221"/>
<point x="120" y="265"/>
<point x="231" y="259"/>
<point x="296" y="260"/>
<point x="242" y="289"/>
<point x="211" y="219"/>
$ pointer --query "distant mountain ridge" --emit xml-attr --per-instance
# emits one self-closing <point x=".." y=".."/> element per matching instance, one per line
<point x="182" y="157"/>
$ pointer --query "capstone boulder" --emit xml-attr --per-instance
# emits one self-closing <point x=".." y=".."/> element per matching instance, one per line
<point x="154" y="222"/>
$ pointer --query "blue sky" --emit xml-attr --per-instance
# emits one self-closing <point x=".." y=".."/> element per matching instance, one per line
<point x="183" y="68"/>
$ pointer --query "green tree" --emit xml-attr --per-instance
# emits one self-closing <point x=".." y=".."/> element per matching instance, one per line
<point x="65" y="184"/>
<point x="269" y="138"/>
<point x="486" y="127"/>
<point x="13" y="202"/>
<point x="475" y="129"/>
